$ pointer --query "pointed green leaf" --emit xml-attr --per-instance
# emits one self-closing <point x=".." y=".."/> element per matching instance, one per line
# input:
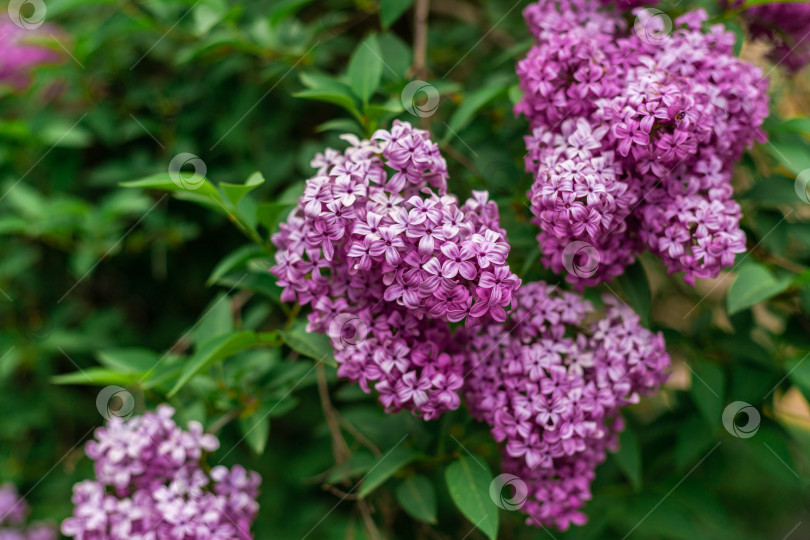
<point x="391" y="10"/>
<point x="256" y="429"/>
<point x="472" y="103"/>
<point x="163" y="181"/>
<point x="212" y="351"/>
<point x="754" y="284"/>
<point x="628" y="458"/>
<point x="708" y="389"/>
<point x="384" y="468"/>
<point x="365" y="68"/>
<point x="96" y="376"/>
<point x="416" y="495"/>
<point x="468" y="481"/>
<point x="235" y="192"/>
<point x="236" y="259"/>
<point x="312" y="345"/>
<point x="134" y="360"/>
<point x="636" y="288"/>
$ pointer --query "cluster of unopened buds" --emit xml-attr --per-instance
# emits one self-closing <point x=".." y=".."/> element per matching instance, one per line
<point x="150" y="484"/>
<point x="635" y="132"/>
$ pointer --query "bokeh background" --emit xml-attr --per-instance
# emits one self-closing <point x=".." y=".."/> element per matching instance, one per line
<point x="99" y="280"/>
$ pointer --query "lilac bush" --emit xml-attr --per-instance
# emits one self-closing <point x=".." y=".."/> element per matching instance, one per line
<point x="550" y="384"/>
<point x="635" y="133"/>
<point x="13" y="512"/>
<point x="386" y="258"/>
<point x="151" y="483"/>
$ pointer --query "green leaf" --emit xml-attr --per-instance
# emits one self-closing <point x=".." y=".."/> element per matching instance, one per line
<point x="754" y="284"/>
<point x="708" y="389"/>
<point x="391" y="10"/>
<point x="416" y="495"/>
<point x="365" y="68"/>
<point x="216" y="319"/>
<point x="256" y="429"/>
<point x="793" y="125"/>
<point x="312" y="345"/>
<point x="135" y="360"/>
<point x="636" y="287"/>
<point x="799" y="370"/>
<point x="212" y="351"/>
<point x="384" y="468"/>
<point x="234" y="260"/>
<point x="396" y="55"/>
<point x="468" y="481"/>
<point x="346" y="102"/>
<point x="96" y="376"/>
<point x="235" y="192"/>
<point x="628" y="458"/>
<point x="198" y="185"/>
<point x="791" y="151"/>
<point x="471" y="105"/>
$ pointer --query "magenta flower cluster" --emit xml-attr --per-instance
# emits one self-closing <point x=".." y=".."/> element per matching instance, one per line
<point x="635" y="132"/>
<point x="386" y="258"/>
<point x="786" y="27"/>
<point x="150" y="484"/>
<point x="550" y="385"/>
<point x="18" y="55"/>
<point x="13" y="512"/>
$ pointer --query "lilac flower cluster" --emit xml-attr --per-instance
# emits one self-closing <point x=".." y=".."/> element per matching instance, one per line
<point x="150" y="484"/>
<point x="786" y="26"/>
<point x="13" y="511"/>
<point x="550" y="385"/>
<point x="634" y="137"/>
<point x="386" y="258"/>
<point x="18" y="55"/>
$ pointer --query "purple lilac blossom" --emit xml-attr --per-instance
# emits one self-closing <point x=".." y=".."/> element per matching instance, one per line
<point x="150" y="485"/>
<point x="787" y="27"/>
<point x="384" y="255"/>
<point x="634" y="137"/>
<point x="18" y="54"/>
<point x="13" y="511"/>
<point x="550" y="384"/>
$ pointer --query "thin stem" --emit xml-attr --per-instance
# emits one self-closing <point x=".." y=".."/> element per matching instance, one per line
<point x="420" y="18"/>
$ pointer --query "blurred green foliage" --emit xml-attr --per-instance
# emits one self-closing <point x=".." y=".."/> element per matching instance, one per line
<point x="169" y="296"/>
